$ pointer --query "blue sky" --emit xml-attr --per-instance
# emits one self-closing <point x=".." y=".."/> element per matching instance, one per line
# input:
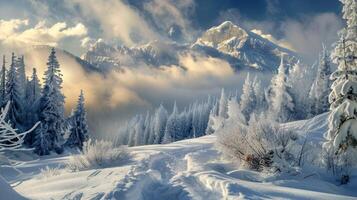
<point x="209" y="10"/>
<point x="132" y="22"/>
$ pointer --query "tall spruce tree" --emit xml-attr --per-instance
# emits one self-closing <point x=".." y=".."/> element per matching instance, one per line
<point x="42" y="140"/>
<point x="33" y="89"/>
<point x="322" y="84"/>
<point x="247" y="100"/>
<point x="341" y="137"/>
<point x="132" y="130"/>
<point x="51" y="106"/>
<point x="260" y="103"/>
<point x="3" y="83"/>
<point x="159" y="125"/>
<point x="280" y="101"/>
<point x="139" y="131"/>
<point x="21" y="75"/>
<point x="147" y="128"/>
<point x="32" y="97"/>
<point x="12" y="95"/>
<point x="300" y="80"/>
<point x="79" y="130"/>
<point x="172" y="126"/>
<point x="223" y="105"/>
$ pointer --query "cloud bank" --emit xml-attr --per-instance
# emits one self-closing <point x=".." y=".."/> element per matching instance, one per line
<point x="17" y="32"/>
<point x="117" y="20"/>
<point x="307" y="36"/>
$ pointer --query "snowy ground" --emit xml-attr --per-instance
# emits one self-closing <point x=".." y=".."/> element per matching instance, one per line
<point x="190" y="169"/>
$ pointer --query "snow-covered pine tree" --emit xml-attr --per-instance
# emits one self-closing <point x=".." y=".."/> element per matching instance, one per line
<point x="195" y="119"/>
<point x="189" y="122"/>
<point x="139" y="131"/>
<point x="3" y="83"/>
<point x="172" y="126"/>
<point x="32" y="96"/>
<point x="342" y="134"/>
<point x="234" y="112"/>
<point x="182" y="132"/>
<point x="204" y="117"/>
<point x="79" y="129"/>
<point x="131" y="131"/>
<point x="300" y="79"/>
<point x="42" y="143"/>
<point x="280" y="101"/>
<point x="33" y="89"/>
<point x="147" y="128"/>
<point x="322" y="84"/>
<point x="260" y="103"/>
<point x="211" y="119"/>
<point x="215" y="109"/>
<point x="223" y="104"/>
<point x="247" y="100"/>
<point x="12" y="95"/>
<point x="21" y="75"/>
<point x="51" y="106"/>
<point x="160" y="120"/>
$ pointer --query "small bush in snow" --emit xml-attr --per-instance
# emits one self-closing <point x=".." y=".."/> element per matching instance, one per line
<point x="48" y="172"/>
<point x="260" y="145"/>
<point x="98" y="154"/>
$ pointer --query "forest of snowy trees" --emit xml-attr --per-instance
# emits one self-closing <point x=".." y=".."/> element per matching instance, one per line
<point x="29" y="103"/>
<point x="164" y="127"/>
<point x="298" y="92"/>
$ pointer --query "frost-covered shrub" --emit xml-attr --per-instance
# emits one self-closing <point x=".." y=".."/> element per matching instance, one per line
<point x="260" y="145"/>
<point x="98" y="154"/>
<point x="48" y="172"/>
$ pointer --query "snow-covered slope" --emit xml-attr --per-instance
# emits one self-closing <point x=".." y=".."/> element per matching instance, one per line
<point x="189" y="169"/>
<point x="239" y="47"/>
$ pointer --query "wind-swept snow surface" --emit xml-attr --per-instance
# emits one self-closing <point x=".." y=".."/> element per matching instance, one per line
<point x="189" y="169"/>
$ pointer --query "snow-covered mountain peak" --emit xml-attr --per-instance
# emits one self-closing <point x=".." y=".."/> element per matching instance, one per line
<point x="248" y="48"/>
<point x="227" y="31"/>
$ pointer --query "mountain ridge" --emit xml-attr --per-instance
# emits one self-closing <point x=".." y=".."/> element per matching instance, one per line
<point x="241" y="48"/>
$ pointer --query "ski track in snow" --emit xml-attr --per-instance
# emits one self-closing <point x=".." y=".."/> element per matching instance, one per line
<point x="162" y="175"/>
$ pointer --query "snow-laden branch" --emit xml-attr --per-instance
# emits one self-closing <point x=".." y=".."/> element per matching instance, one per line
<point x="9" y="138"/>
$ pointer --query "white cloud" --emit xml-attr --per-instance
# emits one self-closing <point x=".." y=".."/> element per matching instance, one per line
<point x="169" y="13"/>
<point x="9" y="27"/>
<point x="16" y="32"/>
<point x="117" y="20"/>
<point x="282" y="42"/>
<point x="308" y="35"/>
